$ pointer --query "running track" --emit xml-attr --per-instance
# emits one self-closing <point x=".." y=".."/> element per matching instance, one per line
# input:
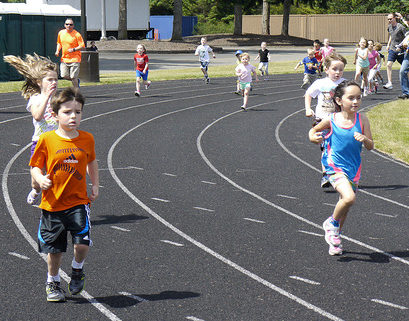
<point x="208" y="213"/>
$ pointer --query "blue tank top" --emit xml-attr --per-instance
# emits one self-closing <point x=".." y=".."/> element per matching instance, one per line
<point x="342" y="152"/>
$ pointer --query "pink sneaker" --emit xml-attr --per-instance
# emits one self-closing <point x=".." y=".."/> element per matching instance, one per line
<point x="335" y="250"/>
<point x="331" y="233"/>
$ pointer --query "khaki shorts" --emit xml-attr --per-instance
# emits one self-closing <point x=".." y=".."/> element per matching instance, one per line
<point x="71" y="70"/>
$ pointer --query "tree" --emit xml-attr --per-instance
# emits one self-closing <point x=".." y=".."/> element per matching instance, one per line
<point x="238" y="19"/>
<point x="122" y="23"/>
<point x="286" y="17"/>
<point x="177" y="20"/>
<point x="266" y="18"/>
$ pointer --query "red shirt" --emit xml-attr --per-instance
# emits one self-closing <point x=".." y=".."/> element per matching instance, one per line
<point x="141" y="61"/>
<point x="318" y="55"/>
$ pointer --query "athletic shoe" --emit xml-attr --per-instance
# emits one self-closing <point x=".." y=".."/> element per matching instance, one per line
<point x="54" y="292"/>
<point x="33" y="198"/>
<point x="147" y="86"/>
<point x="403" y="96"/>
<point x="137" y="93"/>
<point x="335" y="250"/>
<point x="237" y="92"/>
<point x="244" y="108"/>
<point x="388" y="85"/>
<point x="207" y="80"/>
<point x="304" y="85"/>
<point x="77" y="282"/>
<point x="331" y="233"/>
<point x="325" y="181"/>
<point x="262" y="73"/>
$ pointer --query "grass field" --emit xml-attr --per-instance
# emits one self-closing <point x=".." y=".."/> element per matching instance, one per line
<point x="391" y="137"/>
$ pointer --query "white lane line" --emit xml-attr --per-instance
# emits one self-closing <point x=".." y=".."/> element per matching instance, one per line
<point x="310" y="233"/>
<point x="160" y="200"/>
<point x="253" y="220"/>
<point x="286" y="196"/>
<point x="304" y="280"/>
<point x="203" y="209"/>
<point x="194" y="318"/>
<point x="197" y="243"/>
<point x="120" y="228"/>
<point x="207" y="182"/>
<point x="13" y="144"/>
<point x="329" y="204"/>
<point x="389" y="304"/>
<point x="171" y="243"/>
<point x="390" y="159"/>
<point x="386" y="215"/>
<point x="133" y="296"/>
<point x="171" y="175"/>
<point x="20" y="256"/>
<point x="101" y="308"/>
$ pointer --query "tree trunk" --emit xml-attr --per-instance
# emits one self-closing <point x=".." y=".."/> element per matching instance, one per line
<point x="286" y="18"/>
<point x="238" y="19"/>
<point x="266" y="18"/>
<point x="177" y="20"/>
<point x="122" y="23"/>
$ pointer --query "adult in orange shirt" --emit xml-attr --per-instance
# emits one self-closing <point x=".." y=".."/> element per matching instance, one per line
<point x="71" y="43"/>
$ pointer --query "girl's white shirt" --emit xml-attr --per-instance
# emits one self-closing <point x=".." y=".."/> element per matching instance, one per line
<point x="47" y="123"/>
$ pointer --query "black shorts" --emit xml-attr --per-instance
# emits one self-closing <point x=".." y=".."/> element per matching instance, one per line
<point x="54" y="226"/>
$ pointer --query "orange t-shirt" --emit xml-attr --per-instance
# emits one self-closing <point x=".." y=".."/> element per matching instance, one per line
<point x="69" y="40"/>
<point x="66" y="161"/>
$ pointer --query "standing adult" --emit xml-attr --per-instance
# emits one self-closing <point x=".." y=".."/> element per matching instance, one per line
<point x="396" y="35"/>
<point x="71" y="43"/>
<point x="404" y="69"/>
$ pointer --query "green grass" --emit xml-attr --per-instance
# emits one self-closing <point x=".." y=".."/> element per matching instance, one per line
<point x="391" y="136"/>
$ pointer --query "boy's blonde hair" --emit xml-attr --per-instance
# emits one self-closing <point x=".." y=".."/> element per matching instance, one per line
<point x="34" y="69"/>
<point x="245" y="54"/>
<point x="310" y="51"/>
<point x="377" y="46"/>
<point x="334" y="57"/>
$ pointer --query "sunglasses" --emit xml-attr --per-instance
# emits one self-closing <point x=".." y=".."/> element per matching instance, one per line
<point x="69" y="24"/>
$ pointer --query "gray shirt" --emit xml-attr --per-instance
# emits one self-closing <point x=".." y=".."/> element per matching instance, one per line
<point x="397" y="34"/>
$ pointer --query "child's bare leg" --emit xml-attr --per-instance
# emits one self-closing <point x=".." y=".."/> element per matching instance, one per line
<point x="54" y="263"/>
<point x="347" y="198"/>
<point x="80" y="252"/>
<point x="138" y="84"/>
<point x="246" y="96"/>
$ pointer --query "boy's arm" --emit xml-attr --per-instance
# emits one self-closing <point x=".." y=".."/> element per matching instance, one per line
<point x="257" y="57"/>
<point x="315" y="133"/>
<point x="307" y="102"/>
<point x="298" y="65"/>
<point x="42" y="180"/>
<point x="92" y="170"/>
<point x="255" y="74"/>
<point x="146" y="68"/>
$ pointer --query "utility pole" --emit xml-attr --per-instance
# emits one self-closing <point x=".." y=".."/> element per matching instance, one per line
<point x="103" y="22"/>
<point x="84" y="21"/>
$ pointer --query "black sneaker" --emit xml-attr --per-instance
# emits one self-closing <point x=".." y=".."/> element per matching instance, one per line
<point x="77" y="282"/>
<point x="137" y="93"/>
<point x="207" y="80"/>
<point x="54" y="292"/>
<point x="325" y="182"/>
<point x="403" y="97"/>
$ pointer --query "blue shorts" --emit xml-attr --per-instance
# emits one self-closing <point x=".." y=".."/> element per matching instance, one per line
<point x="140" y="74"/>
<point x="54" y="227"/>
<point x="204" y="65"/>
<point x="395" y="55"/>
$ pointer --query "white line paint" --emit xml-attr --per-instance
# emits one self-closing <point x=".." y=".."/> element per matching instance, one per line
<point x="253" y="220"/>
<point x="171" y="175"/>
<point x="389" y="304"/>
<point x="390" y="159"/>
<point x="194" y="318"/>
<point x="304" y="280"/>
<point x="286" y="196"/>
<point x="120" y="228"/>
<point x="329" y="204"/>
<point x="171" y="243"/>
<point x="20" y="256"/>
<point x="207" y="182"/>
<point x="133" y="296"/>
<point x="13" y="144"/>
<point x="386" y="215"/>
<point x="111" y="316"/>
<point x="123" y="168"/>
<point x="160" y="200"/>
<point x="310" y="233"/>
<point x="203" y="209"/>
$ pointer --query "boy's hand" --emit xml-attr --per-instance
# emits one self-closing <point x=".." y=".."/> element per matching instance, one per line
<point x="309" y="112"/>
<point x="45" y="182"/>
<point x="94" y="193"/>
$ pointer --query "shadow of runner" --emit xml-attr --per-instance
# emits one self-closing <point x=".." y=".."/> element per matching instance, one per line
<point x="115" y="219"/>
<point x="373" y="257"/>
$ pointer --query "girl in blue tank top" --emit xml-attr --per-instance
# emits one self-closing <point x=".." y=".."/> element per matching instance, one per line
<point x="348" y="130"/>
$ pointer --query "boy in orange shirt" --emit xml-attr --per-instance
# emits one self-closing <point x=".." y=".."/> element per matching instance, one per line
<point x="67" y="154"/>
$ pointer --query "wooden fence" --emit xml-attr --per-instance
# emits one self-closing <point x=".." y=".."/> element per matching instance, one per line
<point x="338" y="28"/>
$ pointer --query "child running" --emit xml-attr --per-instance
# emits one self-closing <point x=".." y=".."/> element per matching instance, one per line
<point x="203" y="51"/>
<point x="264" y="56"/>
<point x="362" y="64"/>
<point x="238" y="62"/>
<point x="342" y="155"/>
<point x="327" y="49"/>
<point x="324" y="88"/>
<point x="244" y="72"/>
<point x="40" y="84"/>
<point x="378" y="48"/>
<point x="318" y="54"/>
<point x="141" y="65"/>
<point x="67" y="154"/>
<point x="374" y="61"/>
<point x="310" y="69"/>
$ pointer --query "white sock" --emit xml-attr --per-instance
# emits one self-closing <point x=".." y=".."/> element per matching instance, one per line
<point x="55" y="278"/>
<point x="76" y="265"/>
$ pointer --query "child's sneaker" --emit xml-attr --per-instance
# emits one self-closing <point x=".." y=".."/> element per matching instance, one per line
<point x="33" y="198"/>
<point x="244" y="108"/>
<point x="148" y="85"/>
<point x="335" y="250"/>
<point x="237" y="92"/>
<point x="325" y="181"/>
<point x="77" y="282"/>
<point x="54" y="292"/>
<point x="331" y="233"/>
<point x="137" y="93"/>
<point x="207" y="80"/>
